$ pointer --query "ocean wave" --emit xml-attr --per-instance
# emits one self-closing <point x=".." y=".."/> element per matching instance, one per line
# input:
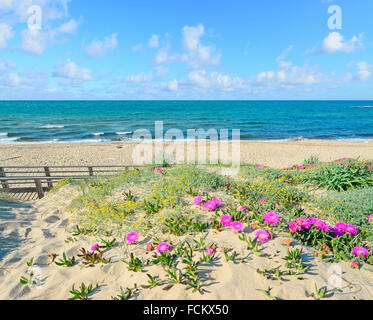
<point x="362" y="107"/>
<point x="3" y="134"/>
<point x="97" y="134"/>
<point x="124" y="133"/>
<point x="52" y="126"/>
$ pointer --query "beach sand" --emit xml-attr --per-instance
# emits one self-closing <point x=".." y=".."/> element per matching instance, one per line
<point x="270" y="153"/>
<point x="40" y="227"/>
<point x="44" y="232"/>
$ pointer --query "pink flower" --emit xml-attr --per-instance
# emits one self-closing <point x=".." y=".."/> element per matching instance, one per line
<point x="217" y="201"/>
<point x="294" y="227"/>
<point x="341" y="226"/>
<point x="95" y="247"/>
<point x="370" y="218"/>
<point x="209" y="205"/>
<point x="237" y="225"/>
<point x="262" y="200"/>
<point x="322" y="225"/>
<point x="132" y="237"/>
<point x="345" y="164"/>
<point x="159" y="170"/>
<point x="302" y="167"/>
<point x="149" y="247"/>
<point x="259" y="166"/>
<point x="163" y="247"/>
<point x="271" y="217"/>
<point x="358" y="251"/>
<point x="351" y="229"/>
<point x="226" y="220"/>
<point x="151" y="169"/>
<point x="304" y="223"/>
<point x="197" y="200"/>
<point x="243" y="208"/>
<point x="262" y="235"/>
<point x="339" y="160"/>
<point x="210" y="251"/>
<point x="312" y="165"/>
<point x="228" y="185"/>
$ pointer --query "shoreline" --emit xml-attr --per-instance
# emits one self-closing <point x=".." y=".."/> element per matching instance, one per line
<point x="266" y="152"/>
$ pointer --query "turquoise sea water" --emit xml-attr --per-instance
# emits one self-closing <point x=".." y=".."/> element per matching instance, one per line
<point x="105" y="121"/>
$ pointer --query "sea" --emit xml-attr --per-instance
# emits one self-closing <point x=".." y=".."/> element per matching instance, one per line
<point x="35" y="122"/>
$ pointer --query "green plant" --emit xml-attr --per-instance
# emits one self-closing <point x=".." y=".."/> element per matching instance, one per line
<point x="108" y="243"/>
<point x="126" y="294"/>
<point x="341" y="176"/>
<point x="91" y="258"/>
<point x="65" y="261"/>
<point x="81" y="293"/>
<point x="134" y="264"/>
<point x="152" y="282"/>
<point x="318" y="294"/>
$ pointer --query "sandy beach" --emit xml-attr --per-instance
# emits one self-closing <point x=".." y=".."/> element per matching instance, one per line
<point x="35" y="229"/>
<point x="46" y="230"/>
<point x="269" y="153"/>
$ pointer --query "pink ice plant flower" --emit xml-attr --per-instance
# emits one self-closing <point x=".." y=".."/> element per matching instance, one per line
<point x="243" y="208"/>
<point x="259" y="166"/>
<point x="226" y="220"/>
<point x="262" y="200"/>
<point x="302" y="167"/>
<point x="163" y="247"/>
<point x="320" y="224"/>
<point x="132" y="237"/>
<point x="351" y="229"/>
<point x="358" y="251"/>
<point x="237" y="225"/>
<point x="210" y="251"/>
<point x="197" y="200"/>
<point x="271" y="217"/>
<point x="312" y="165"/>
<point x="294" y="227"/>
<point x="95" y="247"/>
<point x="304" y="223"/>
<point x="209" y="205"/>
<point x="262" y="235"/>
<point x="370" y="218"/>
<point x="159" y="170"/>
<point x="217" y="201"/>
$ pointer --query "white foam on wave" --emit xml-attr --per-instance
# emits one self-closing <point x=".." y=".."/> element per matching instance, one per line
<point x="52" y="126"/>
<point x="124" y="133"/>
<point x="97" y="134"/>
<point x="3" y="134"/>
<point x="362" y="107"/>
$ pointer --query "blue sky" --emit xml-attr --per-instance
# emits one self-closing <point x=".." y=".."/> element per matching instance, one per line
<point x="186" y="49"/>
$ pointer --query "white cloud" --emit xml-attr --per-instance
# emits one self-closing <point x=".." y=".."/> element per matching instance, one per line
<point x="363" y="71"/>
<point x="6" y="5"/>
<point x="13" y="80"/>
<point x="154" y="41"/>
<point x="6" y="33"/>
<point x="293" y="76"/>
<point x="70" y="70"/>
<point x="68" y="27"/>
<point x="34" y="41"/>
<point x="197" y="54"/>
<point x="215" y="80"/>
<point x="173" y="85"/>
<point x="97" y="49"/>
<point x="6" y="66"/>
<point x="139" y="78"/>
<point x="335" y="42"/>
